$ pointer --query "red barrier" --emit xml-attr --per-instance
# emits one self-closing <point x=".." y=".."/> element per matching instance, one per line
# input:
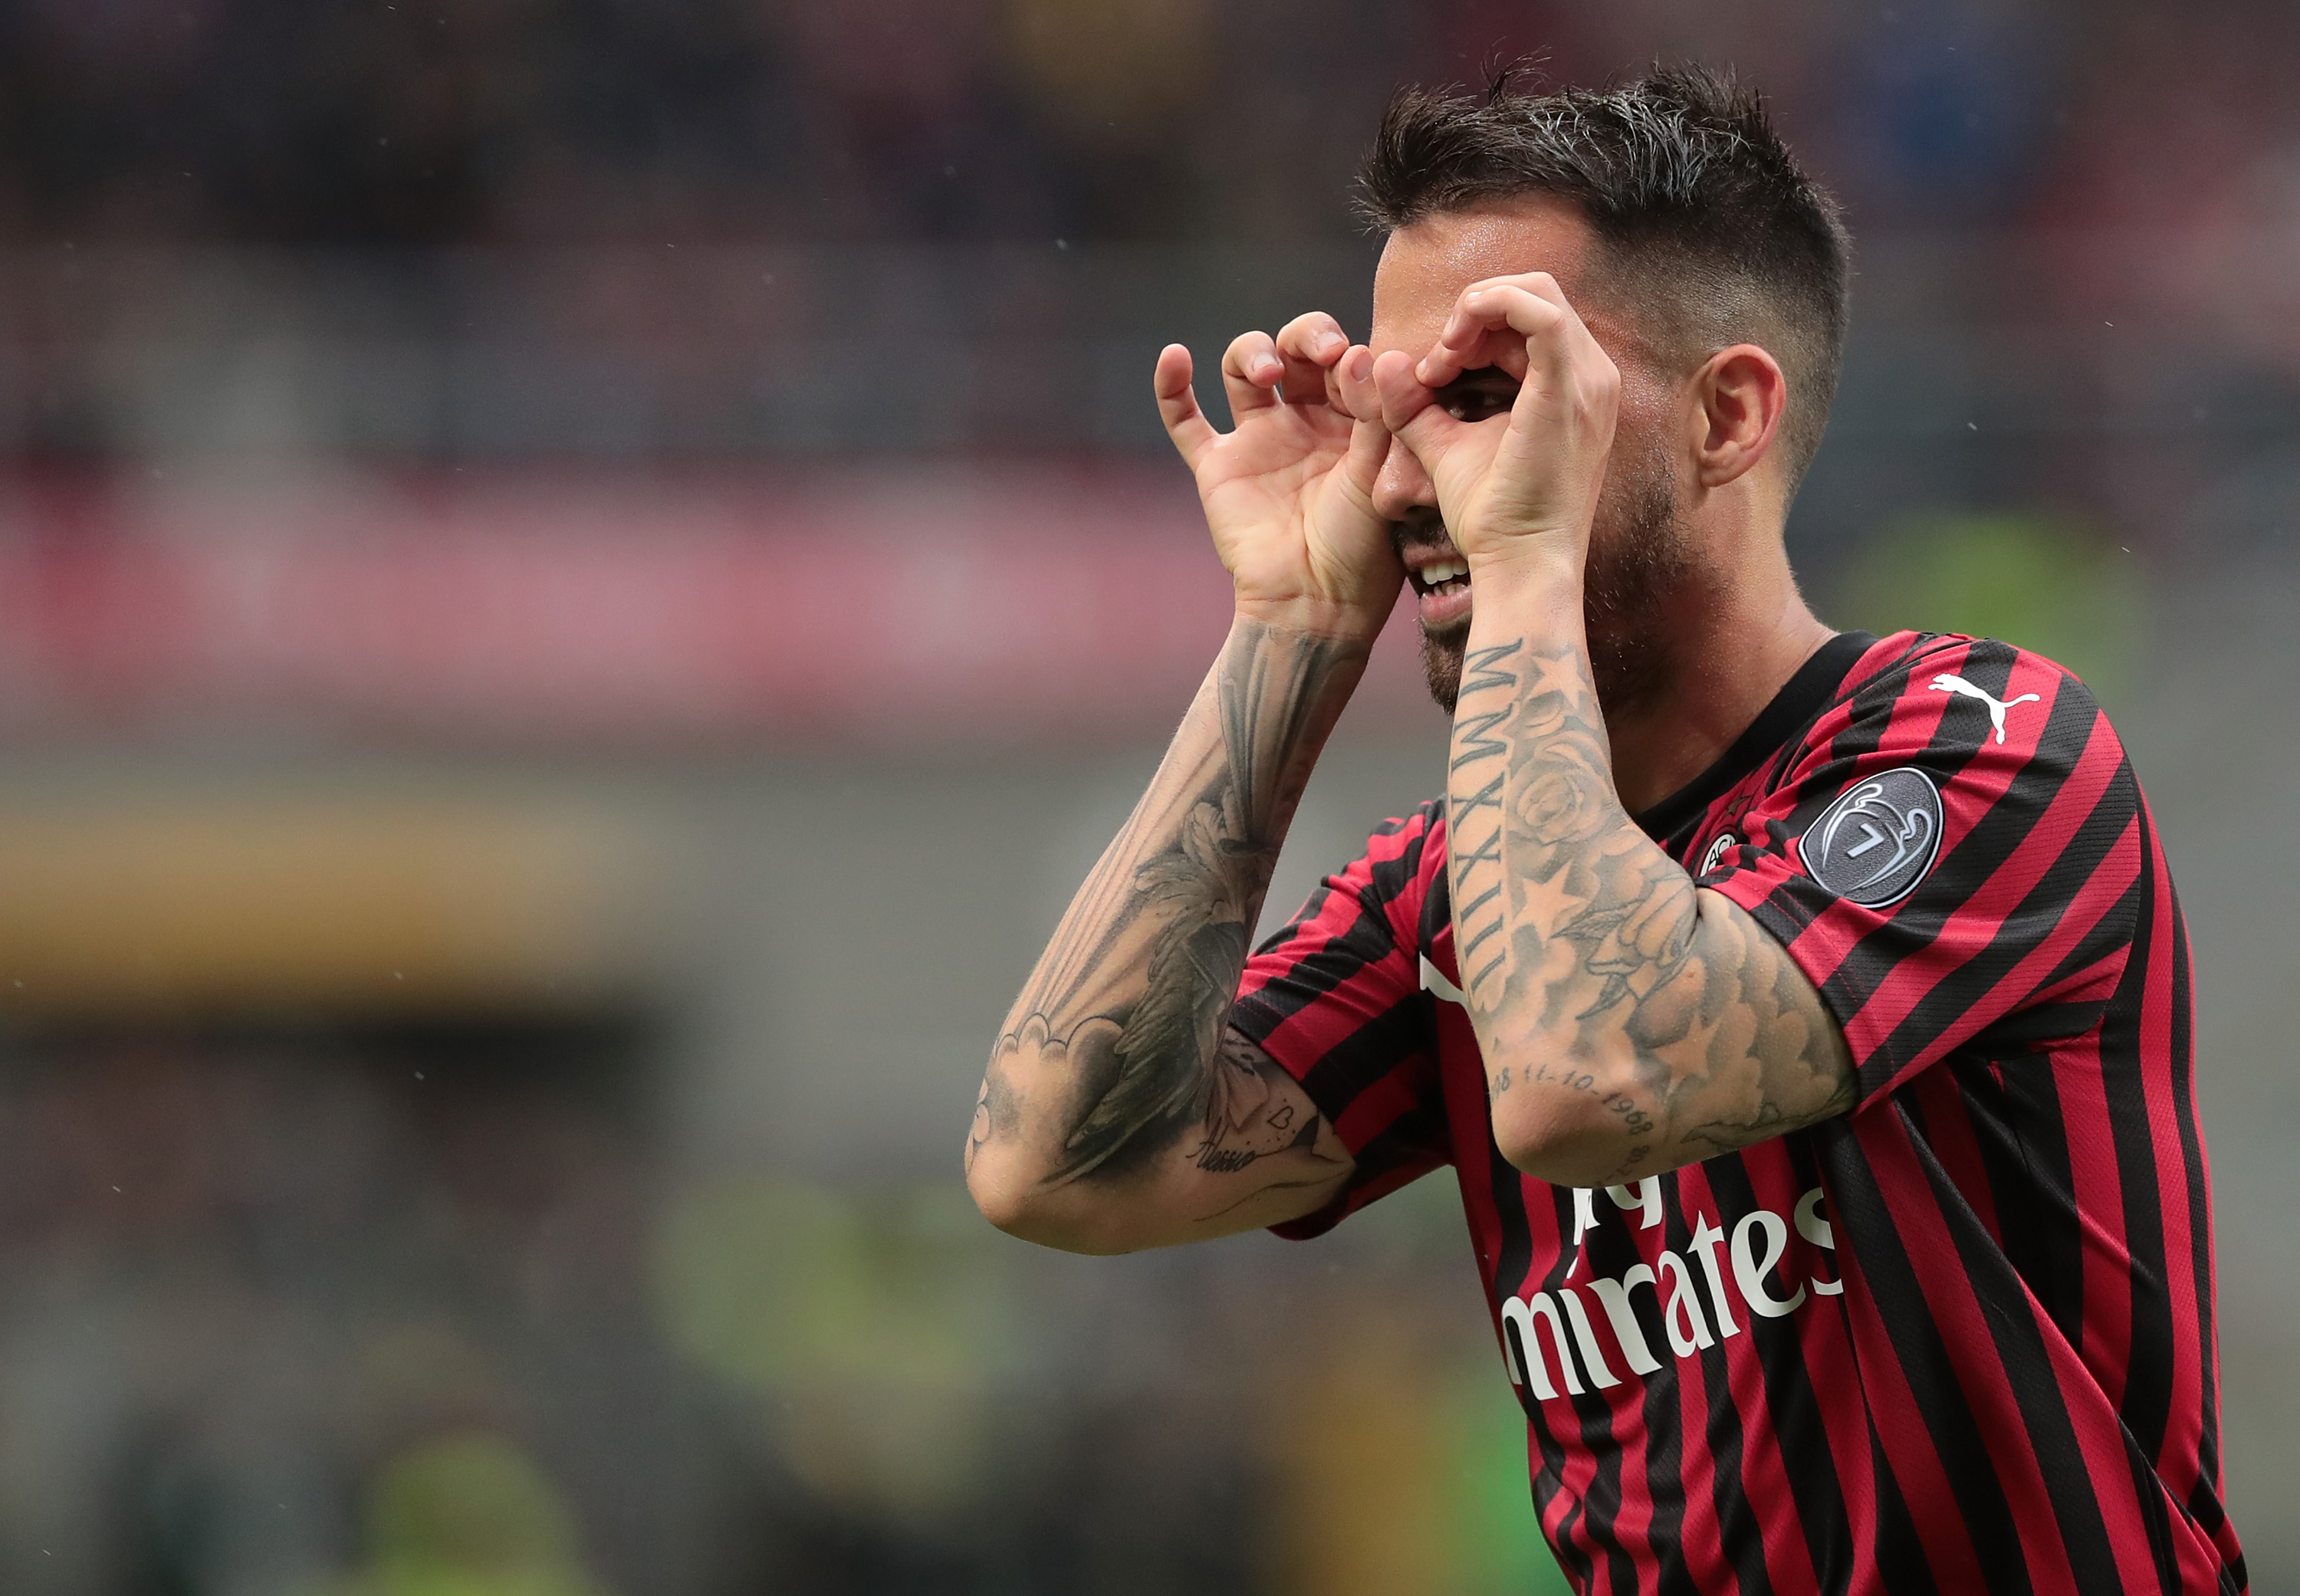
<point x="1005" y="603"/>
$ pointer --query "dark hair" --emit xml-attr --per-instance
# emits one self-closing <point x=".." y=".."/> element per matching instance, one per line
<point x="1708" y="228"/>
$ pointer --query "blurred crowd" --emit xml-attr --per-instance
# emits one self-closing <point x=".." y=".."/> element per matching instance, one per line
<point x="384" y="122"/>
<point x="480" y="229"/>
<point x="418" y="1311"/>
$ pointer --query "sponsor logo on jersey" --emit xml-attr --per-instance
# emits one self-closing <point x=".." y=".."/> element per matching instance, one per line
<point x="1689" y="1301"/>
<point x="1997" y="708"/>
<point x="1877" y="841"/>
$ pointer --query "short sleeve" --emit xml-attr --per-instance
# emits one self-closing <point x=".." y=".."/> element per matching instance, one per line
<point x="1953" y="858"/>
<point x="1335" y="997"/>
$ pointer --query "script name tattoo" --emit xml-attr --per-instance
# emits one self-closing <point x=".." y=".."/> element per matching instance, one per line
<point x="1572" y="926"/>
<point x="1134" y="994"/>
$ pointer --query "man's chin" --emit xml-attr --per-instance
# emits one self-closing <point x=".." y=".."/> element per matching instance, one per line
<point x="1442" y="650"/>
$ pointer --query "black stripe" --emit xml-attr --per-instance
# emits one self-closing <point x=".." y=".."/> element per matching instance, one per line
<point x="2022" y="1138"/>
<point x="2149" y="1490"/>
<point x="1664" y="1420"/>
<point x="1872" y="1231"/>
<point x="2055" y="1453"/>
<point x="1897" y="1552"/>
<point x="2146" y="1408"/>
<point x="1405" y="1033"/>
<point x="2045" y="1022"/>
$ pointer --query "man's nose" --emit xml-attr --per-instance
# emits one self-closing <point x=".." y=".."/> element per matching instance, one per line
<point x="1403" y="485"/>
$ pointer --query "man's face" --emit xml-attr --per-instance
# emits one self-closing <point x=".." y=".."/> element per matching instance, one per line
<point x="1639" y="553"/>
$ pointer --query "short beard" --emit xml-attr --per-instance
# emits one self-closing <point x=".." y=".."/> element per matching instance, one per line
<point x="1639" y="559"/>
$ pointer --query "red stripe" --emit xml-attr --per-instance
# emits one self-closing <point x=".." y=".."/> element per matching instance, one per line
<point x="2106" y="1259"/>
<point x="1971" y="1348"/>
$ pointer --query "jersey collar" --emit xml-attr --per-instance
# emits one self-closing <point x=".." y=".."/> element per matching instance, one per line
<point x="1801" y="697"/>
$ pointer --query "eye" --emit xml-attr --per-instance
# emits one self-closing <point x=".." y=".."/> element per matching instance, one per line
<point x="1478" y="404"/>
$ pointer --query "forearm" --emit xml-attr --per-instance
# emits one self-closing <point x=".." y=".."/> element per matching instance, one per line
<point x="1630" y="1022"/>
<point x="1108" y="1060"/>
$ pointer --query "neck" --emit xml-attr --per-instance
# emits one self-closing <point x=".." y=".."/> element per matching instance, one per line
<point x="1736" y="639"/>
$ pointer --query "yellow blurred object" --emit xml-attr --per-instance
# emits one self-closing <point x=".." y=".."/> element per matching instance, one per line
<point x="1399" y="1470"/>
<point x="467" y="1516"/>
<point x="196" y="909"/>
<point x="1110" y="70"/>
<point x="1361" y="1509"/>
<point x="874" y="1327"/>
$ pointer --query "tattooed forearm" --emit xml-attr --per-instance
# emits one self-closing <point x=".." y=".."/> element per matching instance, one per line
<point x="1474" y="818"/>
<point x="1115" y="1046"/>
<point x="1253" y="1111"/>
<point x="995" y="1113"/>
<point x="1592" y="966"/>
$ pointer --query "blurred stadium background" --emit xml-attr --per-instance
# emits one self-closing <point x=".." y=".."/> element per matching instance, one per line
<point x="580" y="579"/>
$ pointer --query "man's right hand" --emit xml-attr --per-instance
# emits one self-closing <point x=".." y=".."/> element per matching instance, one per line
<point x="1288" y="493"/>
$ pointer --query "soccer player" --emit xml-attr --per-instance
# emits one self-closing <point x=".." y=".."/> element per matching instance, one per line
<point x="1806" y="1017"/>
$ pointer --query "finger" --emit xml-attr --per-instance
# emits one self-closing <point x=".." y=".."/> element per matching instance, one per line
<point x="1250" y="369"/>
<point x="1568" y="373"/>
<point x="1405" y="400"/>
<point x="1369" y="438"/>
<point x="1352" y="374"/>
<point x="1178" y="405"/>
<point x="1519" y="308"/>
<point x="1309" y="346"/>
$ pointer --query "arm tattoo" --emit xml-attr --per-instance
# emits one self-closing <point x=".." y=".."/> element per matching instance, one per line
<point x="1130" y="1000"/>
<point x="1249" y="1114"/>
<point x="1574" y="928"/>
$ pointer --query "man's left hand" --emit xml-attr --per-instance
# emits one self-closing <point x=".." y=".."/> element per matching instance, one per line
<point x="1523" y="482"/>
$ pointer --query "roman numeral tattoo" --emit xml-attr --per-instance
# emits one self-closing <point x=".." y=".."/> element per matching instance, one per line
<point x="1575" y="932"/>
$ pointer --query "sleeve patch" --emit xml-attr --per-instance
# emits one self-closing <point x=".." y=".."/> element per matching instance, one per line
<point x="1877" y="840"/>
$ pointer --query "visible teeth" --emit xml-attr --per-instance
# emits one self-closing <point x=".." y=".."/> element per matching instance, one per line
<point x="1444" y="570"/>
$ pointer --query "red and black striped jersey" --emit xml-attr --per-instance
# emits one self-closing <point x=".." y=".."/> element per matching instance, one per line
<point x="1960" y="1339"/>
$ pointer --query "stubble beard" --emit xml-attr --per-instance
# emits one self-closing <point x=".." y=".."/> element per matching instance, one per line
<point x="1640" y="558"/>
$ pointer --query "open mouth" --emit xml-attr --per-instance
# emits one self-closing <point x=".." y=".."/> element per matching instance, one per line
<point x="1442" y="577"/>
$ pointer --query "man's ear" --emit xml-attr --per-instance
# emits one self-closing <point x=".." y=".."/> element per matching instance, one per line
<point x="1739" y="397"/>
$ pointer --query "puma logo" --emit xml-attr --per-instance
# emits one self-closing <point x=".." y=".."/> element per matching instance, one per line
<point x="1996" y="709"/>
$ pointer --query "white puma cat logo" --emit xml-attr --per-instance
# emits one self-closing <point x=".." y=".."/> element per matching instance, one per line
<point x="1997" y="710"/>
